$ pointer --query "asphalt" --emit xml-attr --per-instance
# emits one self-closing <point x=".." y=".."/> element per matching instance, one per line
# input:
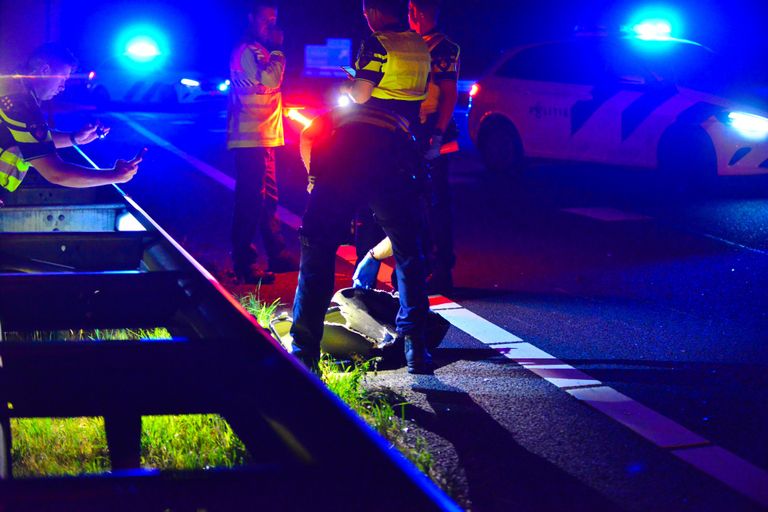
<point x="666" y="306"/>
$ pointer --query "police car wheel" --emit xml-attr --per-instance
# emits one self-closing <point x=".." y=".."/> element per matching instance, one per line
<point x="500" y="146"/>
<point x="687" y="162"/>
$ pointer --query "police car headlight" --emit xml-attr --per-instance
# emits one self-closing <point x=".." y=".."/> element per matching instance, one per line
<point x="749" y="125"/>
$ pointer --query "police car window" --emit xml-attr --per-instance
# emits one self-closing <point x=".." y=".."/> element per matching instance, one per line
<point x="569" y="62"/>
<point x="673" y="62"/>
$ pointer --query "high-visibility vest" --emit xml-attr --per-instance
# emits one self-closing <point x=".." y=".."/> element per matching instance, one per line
<point x="406" y="69"/>
<point x="13" y="169"/>
<point x="255" y="112"/>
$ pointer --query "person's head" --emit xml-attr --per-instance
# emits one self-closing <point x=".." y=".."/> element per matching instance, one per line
<point x="262" y="19"/>
<point x="380" y="13"/>
<point x="422" y="14"/>
<point x="49" y="67"/>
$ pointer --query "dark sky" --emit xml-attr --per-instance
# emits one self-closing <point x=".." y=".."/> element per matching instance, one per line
<point x="203" y="31"/>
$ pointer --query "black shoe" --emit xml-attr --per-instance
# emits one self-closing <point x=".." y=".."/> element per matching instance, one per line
<point x="283" y="262"/>
<point x="308" y="357"/>
<point x="439" y="282"/>
<point x="417" y="357"/>
<point x="254" y="275"/>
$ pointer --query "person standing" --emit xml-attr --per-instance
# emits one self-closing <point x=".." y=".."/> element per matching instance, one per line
<point x="435" y="132"/>
<point x="363" y="155"/>
<point x="254" y="130"/>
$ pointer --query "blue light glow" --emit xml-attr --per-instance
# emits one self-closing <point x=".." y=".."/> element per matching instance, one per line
<point x="188" y="82"/>
<point x="653" y="30"/>
<point x="224" y="86"/>
<point x="655" y="23"/>
<point x="142" y="47"/>
<point x="344" y="100"/>
<point x="750" y="126"/>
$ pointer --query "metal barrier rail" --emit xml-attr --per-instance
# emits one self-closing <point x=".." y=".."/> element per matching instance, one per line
<point x="70" y="272"/>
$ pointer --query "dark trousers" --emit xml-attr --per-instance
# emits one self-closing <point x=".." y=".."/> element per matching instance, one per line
<point x="255" y="205"/>
<point x="439" y="236"/>
<point x="440" y="216"/>
<point x="362" y="165"/>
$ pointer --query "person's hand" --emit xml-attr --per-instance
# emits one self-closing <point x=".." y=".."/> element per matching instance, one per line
<point x="90" y="132"/>
<point x="366" y="272"/>
<point x="435" y="143"/>
<point x="124" y="170"/>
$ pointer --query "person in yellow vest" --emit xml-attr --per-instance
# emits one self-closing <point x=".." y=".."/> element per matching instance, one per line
<point x="27" y="141"/>
<point x="254" y="130"/>
<point x="437" y="135"/>
<point x="364" y="155"/>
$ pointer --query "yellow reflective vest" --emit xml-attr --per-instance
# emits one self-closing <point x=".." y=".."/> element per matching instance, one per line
<point x="255" y="110"/>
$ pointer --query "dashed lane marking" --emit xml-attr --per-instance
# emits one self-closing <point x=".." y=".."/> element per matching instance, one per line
<point x="727" y="467"/>
<point x="286" y="216"/>
<point x="721" y="464"/>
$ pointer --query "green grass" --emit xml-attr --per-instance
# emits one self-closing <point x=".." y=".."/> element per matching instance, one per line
<point x="71" y="446"/>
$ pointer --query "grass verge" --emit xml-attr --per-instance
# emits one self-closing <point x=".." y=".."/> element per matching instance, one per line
<point x="71" y="446"/>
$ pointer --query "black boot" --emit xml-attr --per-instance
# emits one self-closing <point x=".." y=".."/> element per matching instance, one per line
<point x="417" y="357"/>
<point x="309" y="357"/>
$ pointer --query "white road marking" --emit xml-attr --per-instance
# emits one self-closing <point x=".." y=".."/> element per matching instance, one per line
<point x="727" y="467"/>
<point x="739" y="474"/>
<point x="607" y="214"/>
<point x="286" y="216"/>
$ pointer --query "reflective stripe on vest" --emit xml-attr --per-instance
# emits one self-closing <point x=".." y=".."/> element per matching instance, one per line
<point x="255" y="113"/>
<point x="406" y="72"/>
<point x="13" y="169"/>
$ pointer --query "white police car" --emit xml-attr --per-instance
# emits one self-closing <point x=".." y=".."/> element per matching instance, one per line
<point x="631" y="101"/>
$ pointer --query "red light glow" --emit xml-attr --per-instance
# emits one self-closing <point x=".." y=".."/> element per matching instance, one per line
<point x="474" y="90"/>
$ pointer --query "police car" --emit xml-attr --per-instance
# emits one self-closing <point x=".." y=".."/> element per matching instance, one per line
<point x="625" y="100"/>
<point x="169" y="87"/>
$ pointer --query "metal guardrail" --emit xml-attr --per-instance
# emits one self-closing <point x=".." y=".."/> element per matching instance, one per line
<point x="66" y="263"/>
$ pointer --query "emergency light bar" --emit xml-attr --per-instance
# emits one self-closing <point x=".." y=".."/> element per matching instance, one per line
<point x="142" y="49"/>
<point x="653" y="30"/>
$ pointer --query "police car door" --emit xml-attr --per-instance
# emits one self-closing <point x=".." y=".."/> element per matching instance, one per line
<point x="596" y="121"/>
<point x="630" y="102"/>
<point x="538" y="96"/>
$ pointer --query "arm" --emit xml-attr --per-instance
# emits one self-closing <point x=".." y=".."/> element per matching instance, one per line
<point x="62" y="139"/>
<point x="84" y="135"/>
<point x="271" y="73"/>
<point x="359" y="90"/>
<point x="369" y="67"/>
<point x="449" y="95"/>
<point x="57" y="171"/>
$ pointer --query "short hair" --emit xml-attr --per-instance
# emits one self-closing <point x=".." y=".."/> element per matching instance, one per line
<point x="430" y="7"/>
<point x="395" y="8"/>
<point x="51" y="53"/>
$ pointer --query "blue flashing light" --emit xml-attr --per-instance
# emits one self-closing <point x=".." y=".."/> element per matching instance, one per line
<point x="188" y="82"/>
<point x="750" y="126"/>
<point x="142" y="47"/>
<point x="653" y="30"/>
<point x="224" y="86"/>
<point x="655" y="23"/>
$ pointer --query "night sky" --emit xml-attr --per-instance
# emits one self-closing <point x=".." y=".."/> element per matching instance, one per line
<point x="203" y="32"/>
